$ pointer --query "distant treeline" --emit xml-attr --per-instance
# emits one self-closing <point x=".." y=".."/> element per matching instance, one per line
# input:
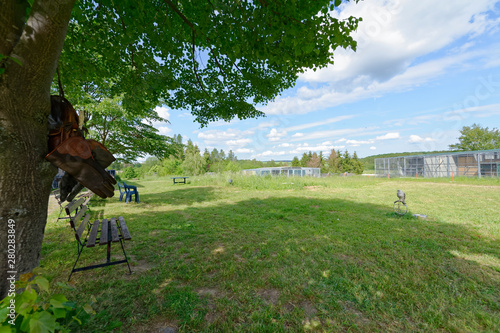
<point x="336" y="162"/>
<point x="189" y="160"/>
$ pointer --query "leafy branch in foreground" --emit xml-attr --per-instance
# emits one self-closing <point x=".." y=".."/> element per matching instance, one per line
<point x="38" y="310"/>
<point x="128" y="135"/>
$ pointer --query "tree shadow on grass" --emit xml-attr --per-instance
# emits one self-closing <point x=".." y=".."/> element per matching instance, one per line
<point x="180" y="196"/>
<point x="337" y="264"/>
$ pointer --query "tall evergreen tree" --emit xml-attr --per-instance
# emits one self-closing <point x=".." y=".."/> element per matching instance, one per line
<point x="332" y="162"/>
<point x="357" y="165"/>
<point x="304" y="160"/>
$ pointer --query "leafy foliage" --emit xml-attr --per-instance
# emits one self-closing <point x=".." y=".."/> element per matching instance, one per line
<point x="128" y="135"/>
<point x="216" y="58"/>
<point x="38" y="310"/>
<point x="476" y="137"/>
<point x="129" y="173"/>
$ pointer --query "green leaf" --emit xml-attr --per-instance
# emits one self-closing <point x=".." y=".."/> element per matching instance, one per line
<point x="17" y="61"/>
<point x="25" y="324"/>
<point x="88" y="308"/>
<point x="25" y="301"/>
<point x="60" y="312"/>
<point x="6" y="329"/>
<point x="39" y="270"/>
<point x="42" y="282"/>
<point x="4" y="312"/>
<point x="42" y="322"/>
<point x="58" y="301"/>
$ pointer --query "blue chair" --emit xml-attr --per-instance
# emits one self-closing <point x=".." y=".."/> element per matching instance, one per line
<point x="122" y="190"/>
<point x="130" y="191"/>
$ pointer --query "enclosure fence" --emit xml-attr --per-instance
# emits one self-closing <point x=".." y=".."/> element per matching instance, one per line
<point x="470" y="164"/>
<point x="284" y="171"/>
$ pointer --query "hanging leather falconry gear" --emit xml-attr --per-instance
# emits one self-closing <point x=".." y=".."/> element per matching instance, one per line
<point x="83" y="160"/>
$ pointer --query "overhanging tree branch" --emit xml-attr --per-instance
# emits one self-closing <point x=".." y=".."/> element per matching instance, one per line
<point x="181" y="15"/>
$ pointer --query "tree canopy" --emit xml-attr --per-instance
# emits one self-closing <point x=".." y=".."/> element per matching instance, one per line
<point x="476" y="137"/>
<point x="129" y="135"/>
<point x="217" y="59"/>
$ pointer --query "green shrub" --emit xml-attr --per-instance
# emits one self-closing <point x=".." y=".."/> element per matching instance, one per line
<point x="129" y="172"/>
<point x="36" y="309"/>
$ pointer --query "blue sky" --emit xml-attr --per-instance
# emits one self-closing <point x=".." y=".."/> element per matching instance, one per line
<point x="423" y="69"/>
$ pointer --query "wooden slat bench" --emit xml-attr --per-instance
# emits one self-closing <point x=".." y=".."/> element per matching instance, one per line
<point x="103" y="232"/>
<point x="82" y="199"/>
<point x="179" y="180"/>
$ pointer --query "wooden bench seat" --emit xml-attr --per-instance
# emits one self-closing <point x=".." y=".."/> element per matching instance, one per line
<point x="81" y="200"/>
<point x="104" y="232"/>
<point x="179" y="180"/>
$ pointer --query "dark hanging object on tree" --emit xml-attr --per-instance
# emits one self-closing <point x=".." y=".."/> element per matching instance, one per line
<point x="84" y="161"/>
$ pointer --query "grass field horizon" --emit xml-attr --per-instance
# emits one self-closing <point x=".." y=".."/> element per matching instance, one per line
<point x="293" y="255"/>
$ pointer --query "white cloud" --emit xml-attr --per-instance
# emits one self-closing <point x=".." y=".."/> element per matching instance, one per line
<point x="268" y="153"/>
<point x="419" y="139"/>
<point x="163" y="112"/>
<point x="319" y="123"/>
<point x="390" y="43"/>
<point x="389" y="136"/>
<point x="324" y="147"/>
<point x="358" y="142"/>
<point x="217" y="136"/>
<point x="243" y="151"/>
<point x="268" y="124"/>
<point x="238" y="142"/>
<point x="298" y="135"/>
<point x="390" y="38"/>
<point x="275" y="135"/>
<point x="164" y="130"/>
<point x="373" y="148"/>
<point x="332" y="134"/>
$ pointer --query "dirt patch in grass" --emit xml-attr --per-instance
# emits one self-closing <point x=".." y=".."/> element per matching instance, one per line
<point x="137" y="266"/>
<point x="270" y="296"/>
<point x="212" y="315"/>
<point x="238" y="258"/>
<point x="156" y="326"/>
<point x="309" y="308"/>
<point x="211" y="292"/>
<point x="359" y="317"/>
<point x="312" y="188"/>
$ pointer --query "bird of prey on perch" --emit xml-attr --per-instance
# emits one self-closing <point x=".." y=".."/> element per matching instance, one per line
<point x="401" y="196"/>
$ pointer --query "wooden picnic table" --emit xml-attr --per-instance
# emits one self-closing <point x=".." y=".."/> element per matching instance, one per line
<point x="179" y="180"/>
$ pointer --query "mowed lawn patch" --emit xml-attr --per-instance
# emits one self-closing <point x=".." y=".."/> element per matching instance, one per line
<point x="293" y="255"/>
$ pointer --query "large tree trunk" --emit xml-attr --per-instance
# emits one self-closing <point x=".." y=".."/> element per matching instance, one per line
<point x="25" y="176"/>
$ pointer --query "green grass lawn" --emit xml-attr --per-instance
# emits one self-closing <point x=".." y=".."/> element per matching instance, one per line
<point x="294" y="255"/>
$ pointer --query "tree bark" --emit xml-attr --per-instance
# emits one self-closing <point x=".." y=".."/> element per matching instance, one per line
<point x="25" y="176"/>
